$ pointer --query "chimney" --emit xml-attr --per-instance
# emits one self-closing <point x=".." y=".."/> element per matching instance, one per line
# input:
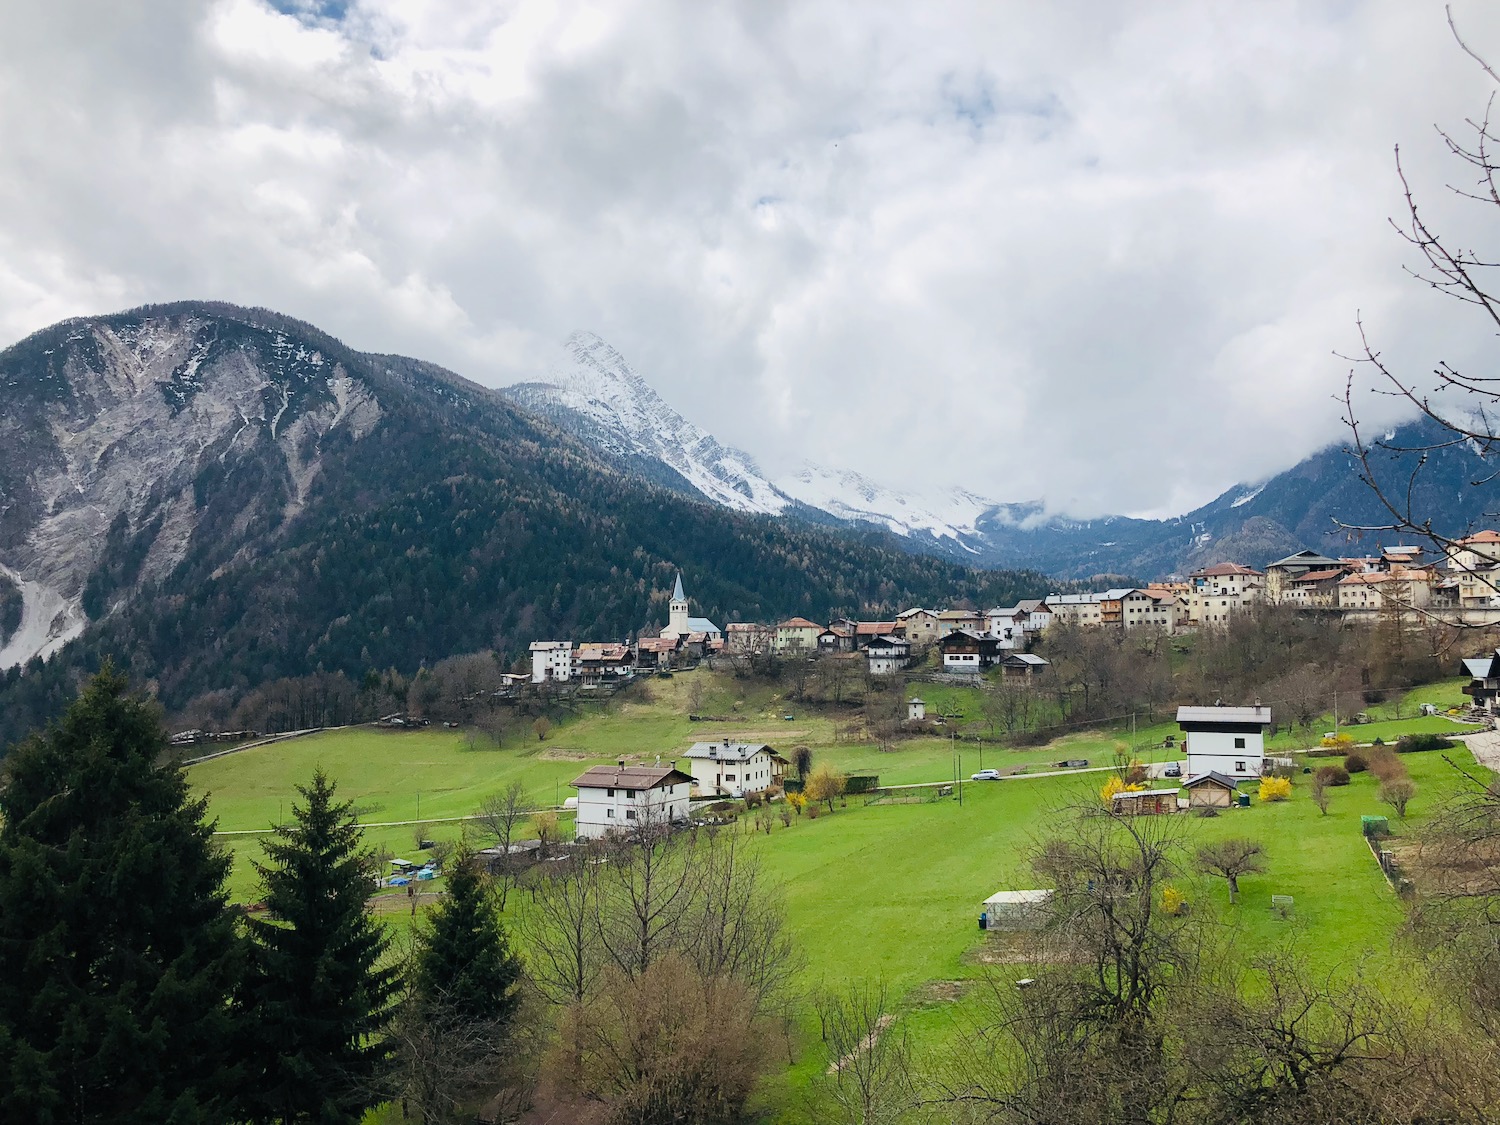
<point x="673" y="763"/>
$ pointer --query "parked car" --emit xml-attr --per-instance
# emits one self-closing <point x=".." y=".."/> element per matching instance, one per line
<point x="986" y="775"/>
<point x="1173" y="770"/>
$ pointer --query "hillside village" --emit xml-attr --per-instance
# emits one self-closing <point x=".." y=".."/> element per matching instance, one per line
<point x="1463" y="587"/>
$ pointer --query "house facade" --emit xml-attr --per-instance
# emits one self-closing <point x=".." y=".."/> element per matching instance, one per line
<point x="919" y="627"/>
<point x="1226" y="740"/>
<point x="886" y="656"/>
<point x="749" y="638"/>
<point x="797" y="634"/>
<point x="1217" y="593"/>
<point x="967" y="652"/>
<point x="1484" y="685"/>
<point x="623" y="798"/>
<point x="953" y="620"/>
<point x="735" y="768"/>
<point x="551" y="661"/>
<point x="602" y="663"/>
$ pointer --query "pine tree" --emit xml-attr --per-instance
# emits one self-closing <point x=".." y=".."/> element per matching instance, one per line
<point x="464" y="955"/>
<point x="317" y="995"/>
<point x="455" y="1028"/>
<point x="119" y="951"/>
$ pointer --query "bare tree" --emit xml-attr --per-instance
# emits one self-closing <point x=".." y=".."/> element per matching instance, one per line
<point x="1398" y="792"/>
<point x="501" y="817"/>
<point x="868" y="1078"/>
<point x="1230" y="859"/>
<point x="561" y="929"/>
<point x="648" y="888"/>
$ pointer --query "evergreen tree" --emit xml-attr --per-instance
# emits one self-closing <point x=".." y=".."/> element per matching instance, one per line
<point x="317" y="996"/>
<point x="464" y="957"/>
<point x="120" y="953"/>
<point x="457" y="1024"/>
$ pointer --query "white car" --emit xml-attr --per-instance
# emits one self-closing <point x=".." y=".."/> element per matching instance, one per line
<point x="986" y="775"/>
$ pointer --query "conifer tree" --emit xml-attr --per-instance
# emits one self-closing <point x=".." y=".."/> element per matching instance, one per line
<point x="456" y="1027"/>
<point x="118" y="952"/>
<point x="317" y="997"/>
<point x="464" y="956"/>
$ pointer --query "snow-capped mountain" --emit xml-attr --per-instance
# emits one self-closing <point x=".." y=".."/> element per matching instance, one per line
<point x="594" y="393"/>
<point x="953" y="514"/>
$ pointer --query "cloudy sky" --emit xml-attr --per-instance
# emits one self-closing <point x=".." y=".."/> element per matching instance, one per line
<point x="1095" y="252"/>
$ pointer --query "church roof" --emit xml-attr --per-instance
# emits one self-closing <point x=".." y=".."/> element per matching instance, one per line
<point x="677" y="594"/>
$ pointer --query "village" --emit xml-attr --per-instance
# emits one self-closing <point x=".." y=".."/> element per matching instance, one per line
<point x="1462" y="588"/>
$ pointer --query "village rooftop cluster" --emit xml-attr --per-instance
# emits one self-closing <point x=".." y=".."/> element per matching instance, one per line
<point x="1463" y="587"/>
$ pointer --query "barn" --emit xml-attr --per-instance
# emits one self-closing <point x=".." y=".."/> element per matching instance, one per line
<point x="1144" y="802"/>
<point x="1212" y="790"/>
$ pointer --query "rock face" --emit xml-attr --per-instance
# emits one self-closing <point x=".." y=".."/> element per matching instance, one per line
<point x="125" y="442"/>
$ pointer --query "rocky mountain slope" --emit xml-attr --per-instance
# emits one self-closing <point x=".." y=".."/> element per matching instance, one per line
<point x="599" y="398"/>
<point x="219" y="496"/>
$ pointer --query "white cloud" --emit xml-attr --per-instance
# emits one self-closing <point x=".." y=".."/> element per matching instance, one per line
<point x="1097" y="253"/>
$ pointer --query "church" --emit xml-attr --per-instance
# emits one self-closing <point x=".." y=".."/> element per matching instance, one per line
<point x="680" y="626"/>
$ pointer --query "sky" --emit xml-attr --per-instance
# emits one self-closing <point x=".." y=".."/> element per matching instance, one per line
<point x="1104" y="255"/>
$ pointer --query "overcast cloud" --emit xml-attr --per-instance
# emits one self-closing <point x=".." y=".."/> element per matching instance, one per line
<point x="1097" y="253"/>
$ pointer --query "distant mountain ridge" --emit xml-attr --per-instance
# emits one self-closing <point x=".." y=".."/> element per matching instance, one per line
<point x="600" y="399"/>
<point x="218" y="497"/>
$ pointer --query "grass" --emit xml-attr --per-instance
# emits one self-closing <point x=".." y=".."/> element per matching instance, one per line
<point x="888" y="891"/>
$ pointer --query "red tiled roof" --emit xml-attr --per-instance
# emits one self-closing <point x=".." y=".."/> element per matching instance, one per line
<point x="1318" y="576"/>
<point x="873" y="628"/>
<point x="629" y="777"/>
<point x="800" y="623"/>
<point x="1483" y="537"/>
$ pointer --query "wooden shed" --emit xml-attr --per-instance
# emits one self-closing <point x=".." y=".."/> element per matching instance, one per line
<point x="1211" y="790"/>
<point x="1145" y="802"/>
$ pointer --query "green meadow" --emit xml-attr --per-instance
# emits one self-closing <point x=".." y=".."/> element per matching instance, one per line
<point x="880" y="888"/>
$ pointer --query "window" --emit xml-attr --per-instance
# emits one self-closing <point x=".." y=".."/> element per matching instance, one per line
<point x="1239" y="743"/>
<point x="630" y="793"/>
<point x="609" y="792"/>
<point x="629" y="814"/>
<point x="609" y="812"/>
<point x="1239" y="767"/>
<point x="729" y="777"/>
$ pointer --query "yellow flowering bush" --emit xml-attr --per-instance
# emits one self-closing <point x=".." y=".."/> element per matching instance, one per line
<point x="1275" y="788"/>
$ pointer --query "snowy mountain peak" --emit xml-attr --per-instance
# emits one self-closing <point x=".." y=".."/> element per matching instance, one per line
<point x="593" y="392"/>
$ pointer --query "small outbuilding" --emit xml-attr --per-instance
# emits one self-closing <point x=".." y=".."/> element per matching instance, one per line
<point x="1212" y="790"/>
<point x="1014" y="910"/>
<point x="1145" y="802"/>
<point x="916" y="709"/>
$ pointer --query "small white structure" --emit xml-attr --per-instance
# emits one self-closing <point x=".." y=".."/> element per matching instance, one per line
<point x="734" y="768"/>
<point x="551" y="660"/>
<point x="1015" y="910"/>
<point x="622" y="798"/>
<point x="1226" y="740"/>
<point x="916" y="709"/>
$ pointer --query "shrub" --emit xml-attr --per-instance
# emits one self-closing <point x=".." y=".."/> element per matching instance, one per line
<point x="797" y="801"/>
<point x="1332" y="775"/>
<point x="1378" y="741"/>
<point x="1115" y="785"/>
<point x="814" y="811"/>
<point x="1338" y="741"/>
<point x="1356" y="763"/>
<point x="1275" y="788"/>
<point x="1411" y="743"/>
<point x="1385" y="765"/>
<point x="1173" y="901"/>
<point x="1397" y="792"/>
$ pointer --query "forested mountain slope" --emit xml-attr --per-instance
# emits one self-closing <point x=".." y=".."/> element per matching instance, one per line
<point x="218" y="496"/>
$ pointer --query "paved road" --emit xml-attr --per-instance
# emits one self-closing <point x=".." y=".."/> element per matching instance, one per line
<point x="1485" y="747"/>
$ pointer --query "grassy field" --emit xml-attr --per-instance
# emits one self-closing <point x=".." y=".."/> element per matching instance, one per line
<point x="875" y="890"/>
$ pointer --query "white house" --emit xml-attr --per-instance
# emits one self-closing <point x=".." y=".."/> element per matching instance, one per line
<point x="621" y="798"/>
<point x="551" y="660"/>
<point x="1008" y="626"/>
<point x="1226" y="740"/>
<point x="734" y="768"/>
<point x="887" y="655"/>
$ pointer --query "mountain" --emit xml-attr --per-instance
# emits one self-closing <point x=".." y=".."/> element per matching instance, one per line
<point x="218" y="497"/>
<point x="596" y="396"/>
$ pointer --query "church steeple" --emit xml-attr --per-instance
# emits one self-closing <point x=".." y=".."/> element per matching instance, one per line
<point x="677" y="621"/>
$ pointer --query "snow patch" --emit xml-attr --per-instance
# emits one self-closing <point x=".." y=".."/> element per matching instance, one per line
<point x="1249" y="496"/>
<point x="48" y="621"/>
